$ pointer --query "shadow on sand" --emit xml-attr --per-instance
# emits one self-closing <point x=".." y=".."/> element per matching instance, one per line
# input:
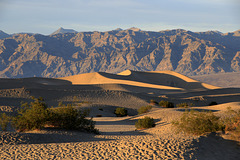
<point x="213" y="147"/>
<point x="48" y="136"/>
<point x="121" y="127"/>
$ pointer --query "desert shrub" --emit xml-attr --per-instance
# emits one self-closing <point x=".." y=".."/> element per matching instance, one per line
<point x="68" y="117"/>
<point x="146" y="122"/>
<point x="153" y="102"/>
<point x="184" y="105"/>
<point x="231" y="120"/>
<point x="213" y="103"/>
<point x="31" y="116"/>
<point x="4" y="120"/>
<point x="60" y="104"/>
<point x="144" y="109"/>
<point x="75" y="99"/>
<point x="166" y="104"/>
<point x="198" y="123"/>
<point x="36" y="115"/>
<point x="120" y="112"/>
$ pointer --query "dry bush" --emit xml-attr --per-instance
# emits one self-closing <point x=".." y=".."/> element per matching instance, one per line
<point x="36" y="115"/>
<point x="4" y="120"/>
<point x="184" y="105"/>
<point x="68" y="117"/>
<point x="166" y="104"/>
<point x="198" y="123"/>
<point x="120" y="112"/>
<point x="144" y="109"/>
<point x="232" y="123"/>
<point x="31" y="116"/>
<point x="144" y="123"/>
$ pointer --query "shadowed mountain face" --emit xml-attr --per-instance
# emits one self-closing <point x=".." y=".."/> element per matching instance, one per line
<point x="3" y="35"/>
<point x="66" y="54"/>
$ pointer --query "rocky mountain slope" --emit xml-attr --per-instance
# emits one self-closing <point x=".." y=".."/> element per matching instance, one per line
<point x="66" y="54"/>
<point x="62" y="30"/>
<point x="3" y="35"/>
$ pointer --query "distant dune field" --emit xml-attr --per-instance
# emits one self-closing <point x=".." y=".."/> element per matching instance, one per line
<point x="221" y="79"/>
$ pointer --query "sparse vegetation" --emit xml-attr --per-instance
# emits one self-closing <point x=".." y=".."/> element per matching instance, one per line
<point x="198" y="123"/>
<point x="36" y="115"/>
<point x="213" y="103"/>
<point x="166" y="104"/>
<point x="144" y="123"/>
<point x="31" y="116"/>
<point x="144" y="109"/>
<point x="232" y="123"/>
<point x="184" y="105"/>
<point x="75" y="99"/>
<point x="120" y="112"/>
<point x="68" y="117"/>
<point x="4" y="120"/>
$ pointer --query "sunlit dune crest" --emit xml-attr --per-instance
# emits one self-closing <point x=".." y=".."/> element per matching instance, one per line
<point x="169" y="80"/>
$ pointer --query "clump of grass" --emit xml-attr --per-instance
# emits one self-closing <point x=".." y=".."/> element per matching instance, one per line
<point x="120" y="112"/>
<point x="144" y="109"/>
<point x="166" y="104"/>
<point x="184" y="105"/>
<point x="144" y="123"/>
<point x="198" y="123"/>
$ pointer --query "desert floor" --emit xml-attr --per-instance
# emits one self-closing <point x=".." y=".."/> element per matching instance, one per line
<point x="118" y="138"/>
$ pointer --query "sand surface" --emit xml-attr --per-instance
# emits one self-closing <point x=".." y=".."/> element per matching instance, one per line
<point x="119" y="140"/>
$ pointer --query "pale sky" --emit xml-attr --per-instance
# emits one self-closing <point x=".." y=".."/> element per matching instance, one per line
<point x="46" y="16"/>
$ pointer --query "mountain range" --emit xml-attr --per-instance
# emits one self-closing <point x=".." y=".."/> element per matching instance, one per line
<point x="67" y="52"/>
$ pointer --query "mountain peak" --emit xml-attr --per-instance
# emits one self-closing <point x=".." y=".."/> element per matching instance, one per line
<point x="118" y="29"/>
<point x="236" y="33"/>
<point x="3" y="35"/>
<point x="213" y="32"/>
<point x="62" y="30"/>
<point x="134" y="29"/>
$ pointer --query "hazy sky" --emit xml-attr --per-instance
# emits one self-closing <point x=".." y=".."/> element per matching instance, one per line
<point x="46" y="16"/>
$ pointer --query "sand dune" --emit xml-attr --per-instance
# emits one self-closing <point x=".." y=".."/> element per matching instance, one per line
<point x="158" y="80"/>
<point x="34" y="82"/>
